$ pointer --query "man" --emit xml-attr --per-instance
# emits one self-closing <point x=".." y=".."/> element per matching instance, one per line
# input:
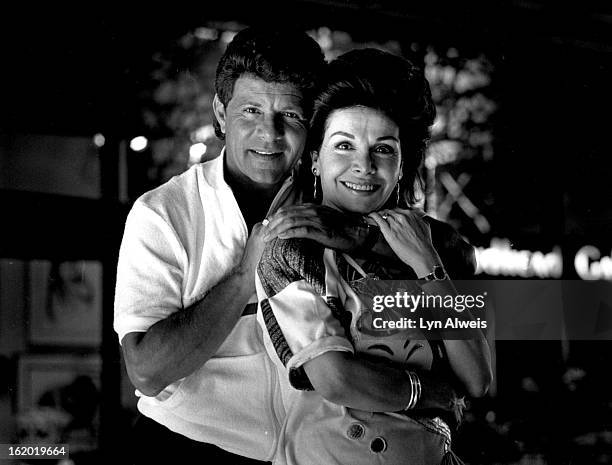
<point x="185" y="303"/>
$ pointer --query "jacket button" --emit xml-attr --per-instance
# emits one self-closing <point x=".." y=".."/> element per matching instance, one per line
<point x="378" y="445"/>
<point x="355" y="431"/>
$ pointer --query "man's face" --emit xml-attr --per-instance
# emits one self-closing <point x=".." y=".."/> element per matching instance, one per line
<point x="265" y="129"/>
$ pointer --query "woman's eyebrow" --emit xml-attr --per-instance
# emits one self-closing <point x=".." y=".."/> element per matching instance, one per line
<point x="342" y="133"/>
<point x="388" y="138"/>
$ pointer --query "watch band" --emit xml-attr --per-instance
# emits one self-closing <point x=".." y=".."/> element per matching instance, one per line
<point x="438" y="274"/>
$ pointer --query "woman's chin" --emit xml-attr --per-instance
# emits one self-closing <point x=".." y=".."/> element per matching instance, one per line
<point x="362" y="208"/>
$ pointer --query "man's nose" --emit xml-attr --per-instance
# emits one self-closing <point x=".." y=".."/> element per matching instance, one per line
<point x="271" y="128"/>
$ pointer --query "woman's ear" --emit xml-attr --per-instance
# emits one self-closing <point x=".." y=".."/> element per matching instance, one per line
<point x="314" y="156"/>
<point x="401" y="171"/>
<point x="219" y="111"/>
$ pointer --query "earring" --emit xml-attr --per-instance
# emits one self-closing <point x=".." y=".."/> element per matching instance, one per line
<point x="397" y="200"/>
<point x="315" y="174"/>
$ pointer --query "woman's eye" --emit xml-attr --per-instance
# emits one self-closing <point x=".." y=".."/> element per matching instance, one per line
<point x="343" y="146"/>
<point x="384" y="149"/>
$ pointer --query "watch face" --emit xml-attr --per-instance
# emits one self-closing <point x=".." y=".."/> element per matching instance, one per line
<point x="439" y="273"/>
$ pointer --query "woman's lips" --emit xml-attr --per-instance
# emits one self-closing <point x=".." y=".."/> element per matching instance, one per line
<point x="361" y="186"/>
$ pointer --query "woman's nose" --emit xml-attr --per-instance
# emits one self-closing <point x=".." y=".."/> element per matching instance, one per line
<point x="363" y="163"/>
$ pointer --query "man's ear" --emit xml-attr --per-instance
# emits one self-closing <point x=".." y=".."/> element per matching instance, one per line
<point x="219" y="111"/>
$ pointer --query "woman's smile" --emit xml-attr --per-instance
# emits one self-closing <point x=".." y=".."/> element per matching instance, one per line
<point x="361" y="187"/>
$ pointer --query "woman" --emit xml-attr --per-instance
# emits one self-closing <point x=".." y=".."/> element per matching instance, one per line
<point x="368" y="131"/>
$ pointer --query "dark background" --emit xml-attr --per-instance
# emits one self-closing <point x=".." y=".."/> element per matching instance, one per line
<point x="79" y="72"/>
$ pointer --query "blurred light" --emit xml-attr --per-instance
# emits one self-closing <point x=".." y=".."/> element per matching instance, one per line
<point x="590" y="265"/>
<point x="501" y="259"/>
<point x="99" y="140"/>
<point x="196" y="151"/>
<point x="442" y="152"/>
<point x="227" y="36"/>
<point x="138" y="144"/>
<point x="324" y="38"/>
<point x="206" y="33"/>
<point x="203" y="133"/>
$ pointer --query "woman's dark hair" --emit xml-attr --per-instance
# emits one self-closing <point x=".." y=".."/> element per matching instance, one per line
<point x="385" y="82"/>
<point x="283" y="56"/>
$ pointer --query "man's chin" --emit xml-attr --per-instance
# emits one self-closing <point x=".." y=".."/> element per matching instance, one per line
<point x="268" y="180"/>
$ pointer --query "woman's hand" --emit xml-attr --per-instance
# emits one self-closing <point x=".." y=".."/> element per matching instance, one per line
<point x="409" y="236"/>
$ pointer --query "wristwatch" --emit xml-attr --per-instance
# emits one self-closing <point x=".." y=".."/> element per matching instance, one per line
<point x="438" y="274"/>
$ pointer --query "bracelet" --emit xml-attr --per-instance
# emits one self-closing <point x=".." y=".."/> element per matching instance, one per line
<point x="415" y="394"/>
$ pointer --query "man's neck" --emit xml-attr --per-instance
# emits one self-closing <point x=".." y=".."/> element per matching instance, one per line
<point x="253" y="199"/>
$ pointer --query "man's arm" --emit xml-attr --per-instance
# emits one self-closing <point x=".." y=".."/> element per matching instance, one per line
<point x="178" y="345"/>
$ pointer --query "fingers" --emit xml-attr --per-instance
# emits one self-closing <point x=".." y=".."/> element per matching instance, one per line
<point x="293" y="214"/>
<point x="279" y="228"/>
<point x="315" y="219"/>
<point x="304" y="232"/>
<point x="412" y="219"/>
<point x="382" y="222"/>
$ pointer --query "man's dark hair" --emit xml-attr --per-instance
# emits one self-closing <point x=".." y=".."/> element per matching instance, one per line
<point x="283" y="56"/>
<point x="389" y="83"/>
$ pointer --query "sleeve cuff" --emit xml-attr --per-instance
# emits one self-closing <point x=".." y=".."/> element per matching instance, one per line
<point x="297" y="376"/>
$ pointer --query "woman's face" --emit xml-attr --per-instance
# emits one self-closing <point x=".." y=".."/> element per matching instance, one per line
<point x="359" y="160"/>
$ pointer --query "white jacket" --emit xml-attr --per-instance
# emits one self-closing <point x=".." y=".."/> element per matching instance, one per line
<point x="179" y="241"/>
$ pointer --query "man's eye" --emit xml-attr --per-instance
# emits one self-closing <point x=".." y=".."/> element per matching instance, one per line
<point x="292" y="115"/>
<point x="251" y="110"/>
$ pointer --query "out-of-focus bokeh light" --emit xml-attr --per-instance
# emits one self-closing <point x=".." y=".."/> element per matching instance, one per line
<point x="196" y="152"/>
<point x="206" y="33"/>
<point x="202" y="134"/>
<point x="99" y="140"/>
<point x="501" y="259"/>
<point x="227" y="36"/>
<point x="138" y="144"/>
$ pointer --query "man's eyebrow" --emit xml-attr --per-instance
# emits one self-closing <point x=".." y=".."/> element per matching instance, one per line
<point x="248" y="101"/>
<point x="342" y="133"/>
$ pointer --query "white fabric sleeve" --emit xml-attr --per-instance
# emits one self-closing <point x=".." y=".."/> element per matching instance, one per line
<point x="149" y="272"/>
<point x="301" y="326"/>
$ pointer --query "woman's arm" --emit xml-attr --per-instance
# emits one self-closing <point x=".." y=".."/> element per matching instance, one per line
<point x="409" y="236"/>
<point x="358" y="383"/>
<point x="308" y="336"/>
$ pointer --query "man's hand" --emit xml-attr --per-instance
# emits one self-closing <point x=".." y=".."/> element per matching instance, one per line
<point x="255" y="245"/>
<point x="331" y="228"/>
